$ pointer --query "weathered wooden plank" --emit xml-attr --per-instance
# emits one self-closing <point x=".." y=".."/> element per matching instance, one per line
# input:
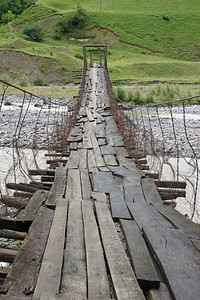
<point x="41" y="172"/>
<point x="123" y="278"/>
<point x="73" y="283"/>
<point x="99" y="130"/>
<point x="150" y="191"/>
<point x="158" y="294"/>
<point x="133" y="192"/>
<point x="110" y="160"/>
<point x="101" y="141"/>
<point x="89" y="115"/>
<point x="21" y="187"/>
<point x="145" y="215"/>
<point x="104" y="182"/>
<point x="107" y="149"/>
<point x="14" y="224"/>
<point x="103" y="169"/>
<point x="87" y="144"/>
<point x="73" y="161"/>
<point x="7" y="255"/>
<point x="29" y="212"/>
<point x="118" y="206"/>
<point x="58" y="187"/>
<point x="121" y="152"/>
<point x="196" y="243"/>
<point x="140" y="257"/>
<point x="10" y="234"/>
<point x="85" y="184"/>
<point x="91" y="160"/>
<point x="73" y="188"/>
<point x="97" y="153"/>
<point x="98" y="287"/>
<point x="179" y="221"/>
<point x="51" y="267"/>
<point x="179" y="261"/>
<point x="170" y="184"/>
<point x="25" y="269"/>
<point x="82" y="158"/>
<point x="99" y="196"/>
<point x="73" y="146"/>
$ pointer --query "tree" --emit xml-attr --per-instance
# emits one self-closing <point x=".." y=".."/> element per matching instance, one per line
<point x="16" y="7"/>
<point x="34" y="32"/>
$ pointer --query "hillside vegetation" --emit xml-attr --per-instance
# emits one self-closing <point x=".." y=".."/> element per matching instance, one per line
<point x="148" y="40"/>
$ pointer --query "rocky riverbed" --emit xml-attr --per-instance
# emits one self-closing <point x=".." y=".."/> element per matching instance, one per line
<point x="25" y="118"/>
<point x="173" y="129"/>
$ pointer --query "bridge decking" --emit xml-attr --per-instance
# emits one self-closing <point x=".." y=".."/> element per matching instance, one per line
<point x="102" y="230"/>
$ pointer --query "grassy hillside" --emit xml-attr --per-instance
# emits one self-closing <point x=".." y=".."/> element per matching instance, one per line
<point x="134" y="31"/>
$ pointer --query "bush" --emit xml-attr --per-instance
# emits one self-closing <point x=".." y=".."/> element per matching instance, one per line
<point x="137" y="98"/>
<point x="166" y="17"/>
<point x="7" y="17"/>
<point x="34" y="32"/>
<point x="78" y="55"/>
<point x="121" y="94"/>
<point x="76" y="21"/>
<point x="10" y="8"/>
<point x="23" y="81"/>
<point x="38" y="80"/>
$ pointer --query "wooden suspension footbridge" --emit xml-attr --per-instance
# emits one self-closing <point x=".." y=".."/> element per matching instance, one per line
<point x="95" y="227"/>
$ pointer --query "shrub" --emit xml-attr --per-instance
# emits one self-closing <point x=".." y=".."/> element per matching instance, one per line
<point x="121" y="94"/>
<point x="166" y="17"/>
<point x="7" y="17"/>
<point x="69" y="24"/>
<point x="137" y="98"/>
<point x="23" y="81"/>
<point x="38" y="80"/>
<point x="34" y="32"/>
<point x="130" y="97"/>
<point x="78" y="55"/>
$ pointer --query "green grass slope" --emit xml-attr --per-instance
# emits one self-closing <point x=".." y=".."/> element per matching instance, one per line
<point x="134" y="31"/>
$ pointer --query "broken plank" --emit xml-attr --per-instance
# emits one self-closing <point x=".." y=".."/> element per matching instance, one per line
<point x="29" y="212"/>
<point x="98" y="286"/>
<point x="51" y="267"/>
<point x="122" y="275"/>
<point x="73" y="283"/>
<point x="139" y="254"/>
<point x="25" y="268"/>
